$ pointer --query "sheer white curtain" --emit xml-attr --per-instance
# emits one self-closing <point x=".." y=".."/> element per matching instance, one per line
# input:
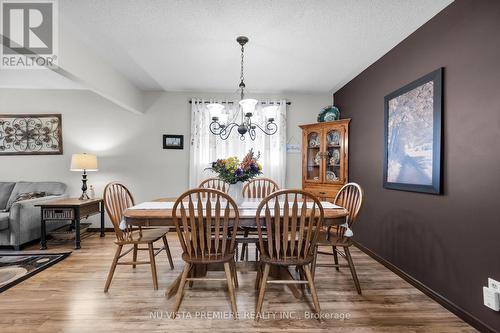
<point x="206" y="147"/>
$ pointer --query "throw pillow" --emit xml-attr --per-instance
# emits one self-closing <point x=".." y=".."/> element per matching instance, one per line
<point x="26" y="196"/>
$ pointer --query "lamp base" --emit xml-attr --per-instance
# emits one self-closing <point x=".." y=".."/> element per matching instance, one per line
<point x="84" y="196"/>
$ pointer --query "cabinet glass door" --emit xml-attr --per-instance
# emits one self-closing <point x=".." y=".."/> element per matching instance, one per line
<point x="335" y="155"/>
<point x="313" y="157"/>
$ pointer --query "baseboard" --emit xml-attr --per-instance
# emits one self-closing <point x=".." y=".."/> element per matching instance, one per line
<point x="450" y="306"/>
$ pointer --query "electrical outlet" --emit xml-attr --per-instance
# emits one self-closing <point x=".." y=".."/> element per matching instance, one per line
<point x="494" y="285"/>
<point x="491" y="299"/>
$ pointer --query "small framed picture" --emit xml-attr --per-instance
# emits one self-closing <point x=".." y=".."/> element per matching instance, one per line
<point x="173" y="141"/>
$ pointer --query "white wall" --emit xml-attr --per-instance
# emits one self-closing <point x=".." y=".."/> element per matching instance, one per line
<point x="129" y="146"/>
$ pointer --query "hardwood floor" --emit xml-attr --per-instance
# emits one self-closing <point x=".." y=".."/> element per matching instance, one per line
<point x="69" y="297"/>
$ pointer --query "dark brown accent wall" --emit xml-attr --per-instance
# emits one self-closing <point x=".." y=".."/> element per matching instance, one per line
<point x="450" y="242"/>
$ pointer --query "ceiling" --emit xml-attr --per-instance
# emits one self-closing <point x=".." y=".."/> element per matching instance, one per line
<point x="308" y="46"/>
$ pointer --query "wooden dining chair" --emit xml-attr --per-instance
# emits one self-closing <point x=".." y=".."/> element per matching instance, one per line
<point x="288" y="223"/>
<point x="117" y="198"/>
<point x="255" y="188"/>
<point x="206" y="221"/>
<point x="350" y="197"/>
<point x="215" y="183"/>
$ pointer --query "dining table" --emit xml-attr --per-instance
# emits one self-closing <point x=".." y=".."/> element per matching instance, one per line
<point x="159" y="212"/>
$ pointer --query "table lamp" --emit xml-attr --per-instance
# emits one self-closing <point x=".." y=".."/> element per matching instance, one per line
<point x="84" y="162"/>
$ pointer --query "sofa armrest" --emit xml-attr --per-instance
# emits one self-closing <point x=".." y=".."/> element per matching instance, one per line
<point x="24" y="217"/>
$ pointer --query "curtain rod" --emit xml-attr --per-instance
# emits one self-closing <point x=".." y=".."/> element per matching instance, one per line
<point x="229" y="102"/>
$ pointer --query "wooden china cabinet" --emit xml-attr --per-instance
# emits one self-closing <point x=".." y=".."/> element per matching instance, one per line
<point x="325" y="157"/>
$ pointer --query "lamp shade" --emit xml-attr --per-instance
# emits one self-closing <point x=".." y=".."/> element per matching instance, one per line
<point x="81" y="162"/>
<point x="270" y="111"/>
<point x="215" y="109"/>
<point x="248" y="105"/>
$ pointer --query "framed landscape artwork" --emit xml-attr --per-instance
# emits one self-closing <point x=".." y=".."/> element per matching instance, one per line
<point x="173" y="141"/>
<point x="412" y="136"/>
<point x="31" y="134"/>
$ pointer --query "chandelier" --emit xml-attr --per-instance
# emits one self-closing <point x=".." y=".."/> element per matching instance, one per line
<point x="220" y="125"/>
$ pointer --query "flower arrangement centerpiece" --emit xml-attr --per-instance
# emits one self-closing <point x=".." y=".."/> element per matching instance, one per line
<point x="234" y="172"/>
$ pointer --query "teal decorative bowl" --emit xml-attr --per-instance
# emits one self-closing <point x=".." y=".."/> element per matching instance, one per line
<point x="329" y="113"/>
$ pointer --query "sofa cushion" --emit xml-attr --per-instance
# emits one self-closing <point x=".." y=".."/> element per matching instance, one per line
<point x="5" y="191"/>
<point x="4" y="221"/>
<point x="50" y="188"/>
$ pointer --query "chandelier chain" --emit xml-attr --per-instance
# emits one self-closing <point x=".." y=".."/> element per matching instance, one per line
<point x="242" y="77"/>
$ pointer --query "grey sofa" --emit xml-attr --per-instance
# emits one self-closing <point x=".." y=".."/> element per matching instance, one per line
<point x="21" y="224"/>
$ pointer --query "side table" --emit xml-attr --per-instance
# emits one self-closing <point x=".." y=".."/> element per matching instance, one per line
<point x="72" y="209"/>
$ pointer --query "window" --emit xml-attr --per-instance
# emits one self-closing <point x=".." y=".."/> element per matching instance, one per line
<point x="206" y="147"/>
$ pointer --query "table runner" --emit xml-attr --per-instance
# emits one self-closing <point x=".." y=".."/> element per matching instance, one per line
<point x="245" y="205"/>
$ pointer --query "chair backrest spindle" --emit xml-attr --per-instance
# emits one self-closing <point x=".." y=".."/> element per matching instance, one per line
<point x="259" y="188"/>
<point x="215" y="183"/>
<point x="291" y="221"/>
<point x="206" y="221"/>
